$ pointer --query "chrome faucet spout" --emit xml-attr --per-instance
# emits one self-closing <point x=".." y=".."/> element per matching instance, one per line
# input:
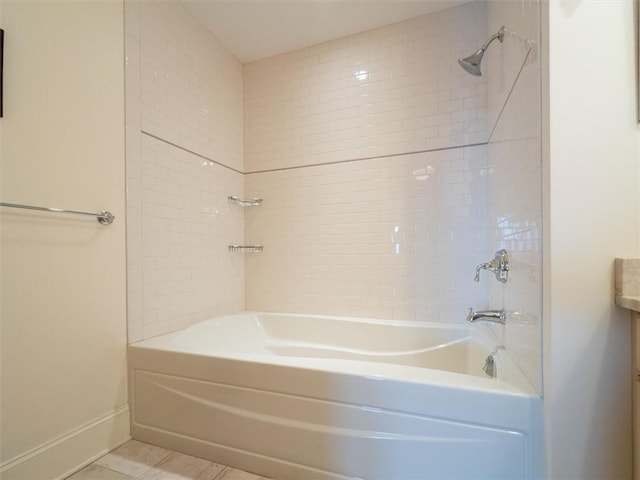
<point x="495" y="316"/>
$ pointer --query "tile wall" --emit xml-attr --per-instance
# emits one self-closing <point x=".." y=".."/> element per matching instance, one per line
<point x="388" y="237"/>
<point x="387" y="91"/>
<point x="184" y="157"/>
<point x="191" y="86"/>
<point x="355" y="221"/>
<point x="515" y="182"/>
<point x="384" y="238"/>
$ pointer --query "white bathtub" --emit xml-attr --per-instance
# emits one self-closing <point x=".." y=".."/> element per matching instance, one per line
<point x="298" y="397"/>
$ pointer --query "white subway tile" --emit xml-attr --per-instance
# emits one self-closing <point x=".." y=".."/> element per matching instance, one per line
<point x="392" y="237"/>
<point x="405" y="80"/>
<point x="357" y="217"/>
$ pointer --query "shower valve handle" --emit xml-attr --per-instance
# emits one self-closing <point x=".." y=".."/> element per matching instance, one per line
<point x="499" y="266"/>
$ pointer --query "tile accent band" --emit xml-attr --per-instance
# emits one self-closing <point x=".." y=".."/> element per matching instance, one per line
<point x="360" y="159"/>
<point x="295" y="167"/>
<point x="160" y="139"/>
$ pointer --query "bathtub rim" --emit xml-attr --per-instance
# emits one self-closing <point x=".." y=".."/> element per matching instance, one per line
<point x="473" y="400"/>
<point x="512" y="382"/>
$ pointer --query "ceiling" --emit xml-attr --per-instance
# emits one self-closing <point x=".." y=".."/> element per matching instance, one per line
<point x="255" y="29"/>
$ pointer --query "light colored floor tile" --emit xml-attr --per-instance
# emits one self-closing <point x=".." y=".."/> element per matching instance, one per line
<point x="142" y="461"/>
<point x="178" y="466"/>
<point x="133" y="458"/>
<point x="211" y="473"/>
<point x="96" y="472"/>
<point x="233" y="474"/>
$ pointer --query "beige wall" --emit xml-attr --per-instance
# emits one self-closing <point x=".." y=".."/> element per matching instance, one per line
<point x="64" y="396"/>
<point x="592" y="216"/>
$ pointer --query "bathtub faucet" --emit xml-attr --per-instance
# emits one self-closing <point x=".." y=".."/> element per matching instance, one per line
<point x="496" y="316"/>
<point x="499" y="266"/>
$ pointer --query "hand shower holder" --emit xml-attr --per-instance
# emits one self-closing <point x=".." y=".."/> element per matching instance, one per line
<point x="499" y="266"/>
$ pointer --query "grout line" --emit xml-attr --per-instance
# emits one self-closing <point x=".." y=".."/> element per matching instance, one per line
<point x="190" y="151"/>
<point x="222" y="473"/>
<point x="111" y="470"/>
<point x="391" y="155"/>
<point x="220" y="476"/>
<point x="513" y="86"/>
<point x="337" y="162"/>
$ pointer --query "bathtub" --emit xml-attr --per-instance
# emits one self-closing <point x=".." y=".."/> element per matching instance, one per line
<point x="300" y="397"/>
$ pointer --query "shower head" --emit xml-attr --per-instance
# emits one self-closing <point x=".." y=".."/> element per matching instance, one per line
<point x="471" y="63"/>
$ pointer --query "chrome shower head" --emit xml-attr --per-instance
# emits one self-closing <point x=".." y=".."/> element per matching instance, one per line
<point x="471" y="64"/>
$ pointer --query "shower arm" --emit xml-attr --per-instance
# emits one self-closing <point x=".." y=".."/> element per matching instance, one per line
<point x="499" y="36"/>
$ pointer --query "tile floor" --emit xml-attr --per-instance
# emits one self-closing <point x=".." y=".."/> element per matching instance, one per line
<point x="141" y="461"/>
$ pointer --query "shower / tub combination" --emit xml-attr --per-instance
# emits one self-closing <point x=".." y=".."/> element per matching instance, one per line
<point x="297" y="396"/>
<point x="300" y="396"/>
<point x="355" y="380"/>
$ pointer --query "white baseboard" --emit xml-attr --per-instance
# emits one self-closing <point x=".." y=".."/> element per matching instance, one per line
<point x="65" y="455"/>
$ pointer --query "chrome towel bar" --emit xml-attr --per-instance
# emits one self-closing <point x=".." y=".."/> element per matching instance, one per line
<point x="104" y="217"/>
